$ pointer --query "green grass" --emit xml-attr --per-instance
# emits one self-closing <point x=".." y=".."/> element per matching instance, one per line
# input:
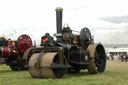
<point x="116" y="74"/>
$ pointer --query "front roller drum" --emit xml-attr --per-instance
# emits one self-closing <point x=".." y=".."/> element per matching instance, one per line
<point x="97" y="58"/>
<point x="46" y="69"/>
<point x="33" y="69"/>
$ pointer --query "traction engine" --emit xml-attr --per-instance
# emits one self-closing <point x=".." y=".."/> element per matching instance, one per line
<point x="12" y="51"/>
<point x="69" y="53"/>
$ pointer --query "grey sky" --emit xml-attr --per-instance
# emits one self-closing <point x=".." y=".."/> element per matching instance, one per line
<point x="107" y="19"/>
<point x="116" y="19"/>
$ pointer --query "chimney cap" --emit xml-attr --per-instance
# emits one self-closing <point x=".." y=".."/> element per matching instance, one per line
<point x="59" y="9"/>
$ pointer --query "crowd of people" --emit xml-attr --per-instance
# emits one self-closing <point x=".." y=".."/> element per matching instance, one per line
<point x="124" y="57"/>
<point x="121" y="56"/>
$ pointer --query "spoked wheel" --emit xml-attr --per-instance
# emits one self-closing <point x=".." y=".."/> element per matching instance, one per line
<point x="47" y="67"/>
<point x="97" y="60"/>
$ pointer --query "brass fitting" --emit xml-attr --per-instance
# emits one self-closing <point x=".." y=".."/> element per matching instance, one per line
<point x="63" y="26"/>
<point x="59" y="9"/>
<point x="67" y="25"/>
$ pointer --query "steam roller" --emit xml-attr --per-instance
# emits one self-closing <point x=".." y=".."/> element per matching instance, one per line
<point x="12" y="51"/>
<point x="69" y="53"/>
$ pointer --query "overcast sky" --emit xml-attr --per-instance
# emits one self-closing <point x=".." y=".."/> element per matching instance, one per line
<point x="107" y="19"/>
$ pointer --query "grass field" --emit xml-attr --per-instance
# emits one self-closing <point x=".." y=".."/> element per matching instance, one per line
<point x="116" y="74"/>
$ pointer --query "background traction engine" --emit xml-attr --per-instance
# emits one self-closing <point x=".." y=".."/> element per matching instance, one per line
<point x="12" y="51"/>
<point x="70" y="53"/>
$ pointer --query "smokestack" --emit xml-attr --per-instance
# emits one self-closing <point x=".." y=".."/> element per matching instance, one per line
<point x="59" y="19"/>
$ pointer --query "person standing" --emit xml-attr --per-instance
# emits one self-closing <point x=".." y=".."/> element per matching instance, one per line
<point x="122" y="57"/>
<point x="126" y="57"/>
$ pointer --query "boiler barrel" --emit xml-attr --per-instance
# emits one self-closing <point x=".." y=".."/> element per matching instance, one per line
<point x="6" y="52"/>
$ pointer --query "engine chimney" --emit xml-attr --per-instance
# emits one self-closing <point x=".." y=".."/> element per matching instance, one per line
<point x="59" y="21"/>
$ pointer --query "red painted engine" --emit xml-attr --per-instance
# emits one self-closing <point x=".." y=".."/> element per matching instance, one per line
<point x="12" y="51"/>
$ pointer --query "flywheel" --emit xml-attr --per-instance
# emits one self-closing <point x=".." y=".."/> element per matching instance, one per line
<point x="24" y="42"/>
<point x="85" y="37"/>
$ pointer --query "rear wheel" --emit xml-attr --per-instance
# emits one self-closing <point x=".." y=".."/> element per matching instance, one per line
<point x="97" y="60"/>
